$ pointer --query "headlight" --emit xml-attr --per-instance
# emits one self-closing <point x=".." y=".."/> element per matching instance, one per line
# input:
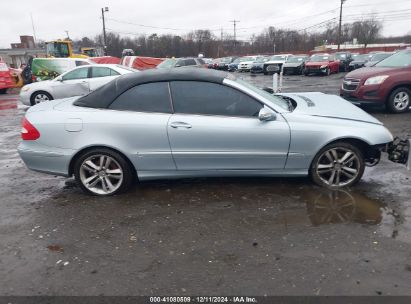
<point x="376" y="80"/>
<point x="323" y="67"/>
<point x="25" y="88"/>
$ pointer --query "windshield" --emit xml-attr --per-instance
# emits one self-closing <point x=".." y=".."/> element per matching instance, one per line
<point x="226" y="60"/>
<point x="380" y="56"/>
<point x="57" y="49"/>
<point x="341" y="55"/>
<point x="261" y="59"/>
<point x="320" y="58"/>
<point x="168" y="63"/>
<point x="296" y="59"/>
<point x="278" y="58"/>
<point x="274" y="99"/>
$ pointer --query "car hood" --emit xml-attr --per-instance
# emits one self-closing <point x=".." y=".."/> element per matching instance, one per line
<point x="368" y="72"/>
<point x="358" y="62"/>
<point x="315" y="63"/>
<point x="275" y="61"/>
<point x="292" y="64"/>
<point x="330" y="106"/>
<point x="38" y="84"/>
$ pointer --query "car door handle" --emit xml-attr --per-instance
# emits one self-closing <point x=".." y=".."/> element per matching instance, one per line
<point x="180" y="124"/>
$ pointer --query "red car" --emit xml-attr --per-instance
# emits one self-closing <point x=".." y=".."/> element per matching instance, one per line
<point x="387" y="83"/>
<point x="324" y="64"/>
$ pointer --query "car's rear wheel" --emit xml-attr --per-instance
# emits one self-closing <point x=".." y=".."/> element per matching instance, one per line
<point x="103" y="172"/>
<point x="337" y="165"/>
<point x="399" y="100"/>
<point x="3" y="91"/>
<point x="40" y="96"/>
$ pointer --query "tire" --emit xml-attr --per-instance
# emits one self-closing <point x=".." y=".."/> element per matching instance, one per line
<point x="334" y="168"/>
<point x="305" y="72"/>
<point x="399" y="100"/>
<point x="117" y="178"/>
<point x="40" y="96"/>
<point x="3" y="91"/>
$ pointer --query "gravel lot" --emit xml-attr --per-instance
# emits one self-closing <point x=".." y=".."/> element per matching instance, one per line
<point x="232" y="236"/>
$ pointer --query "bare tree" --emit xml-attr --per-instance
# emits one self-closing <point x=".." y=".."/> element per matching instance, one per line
<point x="366" y="31"/>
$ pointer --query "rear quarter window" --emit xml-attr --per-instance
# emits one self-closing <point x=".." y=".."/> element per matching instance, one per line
<point x="149" y="97"/>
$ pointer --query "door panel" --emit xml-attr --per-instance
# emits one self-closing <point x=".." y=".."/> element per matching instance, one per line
<point x="205" y="142"/>
<point x="68" y="88"/>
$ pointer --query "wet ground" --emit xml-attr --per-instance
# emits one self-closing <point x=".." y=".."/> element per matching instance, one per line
<point x="232" y="236"/>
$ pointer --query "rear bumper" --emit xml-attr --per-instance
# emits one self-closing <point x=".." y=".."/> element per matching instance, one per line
<point x="45" y="159"/>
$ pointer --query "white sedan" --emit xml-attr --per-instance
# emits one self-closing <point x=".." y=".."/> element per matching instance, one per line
<point x="76" y="82"/>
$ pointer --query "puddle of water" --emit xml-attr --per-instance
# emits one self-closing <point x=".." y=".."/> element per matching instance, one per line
<point x="284" y="202"/>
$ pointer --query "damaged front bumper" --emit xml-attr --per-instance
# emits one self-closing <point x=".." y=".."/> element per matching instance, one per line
<point x="399" y="152"/>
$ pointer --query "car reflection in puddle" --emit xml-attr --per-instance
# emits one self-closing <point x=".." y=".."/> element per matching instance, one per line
<point x="330" y="207"/>
<point x="333" y="207"/>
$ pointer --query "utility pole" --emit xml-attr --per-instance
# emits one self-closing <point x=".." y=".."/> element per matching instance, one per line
<point x="67" y="34"/>
<point x="235" y="30"/>
<point x="103" y="10"/>
<point x="339" y="26"/>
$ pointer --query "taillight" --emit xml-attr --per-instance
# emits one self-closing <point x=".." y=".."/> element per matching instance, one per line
<point x="28" y="131"/>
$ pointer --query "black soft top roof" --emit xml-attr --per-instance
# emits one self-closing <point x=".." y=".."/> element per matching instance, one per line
<point x="105" y="95"/>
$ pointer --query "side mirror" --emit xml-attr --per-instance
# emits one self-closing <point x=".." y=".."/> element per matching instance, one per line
<point x="59" y="79"/>
<point x="177" y="65"/>
<point x="266" y="115"/>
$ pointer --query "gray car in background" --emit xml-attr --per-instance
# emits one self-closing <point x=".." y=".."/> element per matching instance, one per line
<point x="177" y="123"/>
<point x="181" y="62"/>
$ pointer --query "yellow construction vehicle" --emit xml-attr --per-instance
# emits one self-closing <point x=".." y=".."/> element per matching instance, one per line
<point x="90" y="51"/>
<point x="64" y="49"/>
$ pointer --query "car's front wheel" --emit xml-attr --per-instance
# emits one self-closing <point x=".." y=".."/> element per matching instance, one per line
<point x="337" y="165"/>
<point x="39" y="97"/>
<point x="399" y="100"/>
<point x="103" y="172"/>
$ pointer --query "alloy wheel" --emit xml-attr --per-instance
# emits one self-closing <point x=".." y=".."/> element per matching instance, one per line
<point x="338" y="166"/>
<point x="401" y="101"/>
<point x="101" y="174"/>
<point x="40" y="98"/>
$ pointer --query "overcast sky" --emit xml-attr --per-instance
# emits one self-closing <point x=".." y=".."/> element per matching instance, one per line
<point x="83" y="18"/>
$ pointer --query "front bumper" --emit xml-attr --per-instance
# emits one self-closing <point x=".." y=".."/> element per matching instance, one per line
<point x="256" y="69"/>
<point x="315" y="70"/>
<point x="364" y="95"/>
<point x="24" y="97"/>
<point x="292" y="70"/>
<point x="399" y="151"/>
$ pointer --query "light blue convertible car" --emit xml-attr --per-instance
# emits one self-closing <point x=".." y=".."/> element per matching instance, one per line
<point x="192" y="122"/>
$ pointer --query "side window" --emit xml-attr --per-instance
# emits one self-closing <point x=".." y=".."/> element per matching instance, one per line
<point x="149" y="97"/>
<point x="207" y="98"/>
<point x="189" y="62"/>
<point x="81" y="73"/>
<point x="102" y="72"/>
